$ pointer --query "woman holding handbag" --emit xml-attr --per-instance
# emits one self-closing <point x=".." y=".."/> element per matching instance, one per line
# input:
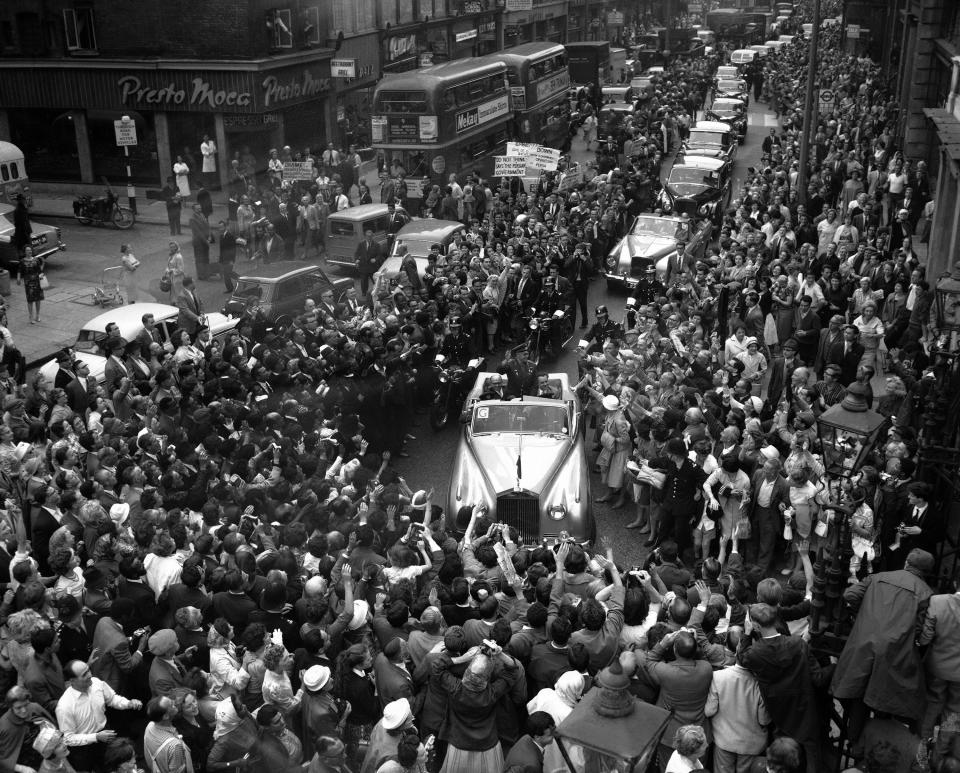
<point x="726" y="490"/>
<point x="32" y="277"/>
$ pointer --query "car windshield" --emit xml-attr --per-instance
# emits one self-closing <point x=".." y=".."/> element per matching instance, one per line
<point x="691" y="176"/>
<point x="519" y="417"/>
<point x="705" y="138"/>
<point x="248" y="289"/>
<point x="731" y="86"/>
<point x="727" y="106"/>
<point x="6" y="219"/>
<point x="88" y="340"/>
<point x="656" y="225"/>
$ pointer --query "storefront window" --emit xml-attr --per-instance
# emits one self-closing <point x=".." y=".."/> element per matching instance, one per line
<point x="186" y="132"/>
<point x="109" y="160"/>
<point x="49" y="143"/>
<point x="353" y="118"/>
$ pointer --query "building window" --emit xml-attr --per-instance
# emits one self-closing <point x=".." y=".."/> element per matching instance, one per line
<point x="353" y="16"/>
<point x="7" y="40"/>
<point x="311" y="26"/>
<point x="282" y="29"/>
<point x="78" y="25"/>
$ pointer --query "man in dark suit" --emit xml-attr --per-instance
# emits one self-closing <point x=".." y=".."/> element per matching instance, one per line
<point x="130" y="585"/>
<point x="272" y="249"/>
<point x="390" y="673"/>
<point x="191" y="308"/>
<point x="781" y="371"/>
<point x="521" y="375"/>
<point x="368" y="257"/>
<point x="528" y="287"/>
<point x="787" y="673"/>
<point x="829" y="337"/>
<point x="847" y="354"/>
<point x="44" y="522"/>
<point x="577" y="268"/>
<point x="285" y="227"/>
<point x="149" y="335"/>
<point x="807" y="329"/>
<point x="527" y="753"/>
<point x="769" y="497"/>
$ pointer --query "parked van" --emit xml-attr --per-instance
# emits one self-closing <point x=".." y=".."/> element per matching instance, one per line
<point x="13" y="175"/>
<point x="416" y="238"/>
<point x="743" y="56"/>
<point x="761" y="49"/>
<point x="346" y="229"/>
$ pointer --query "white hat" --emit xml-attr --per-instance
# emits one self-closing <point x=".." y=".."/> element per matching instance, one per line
<point x="396" y="713"/>
<point x="419" y="500"/>
<point x="119" y="513"/>
<point x="611" y="402"/>
<point x="21" y="450"/>
<point x="769" y="452"/>
<point x="316" y="677"/>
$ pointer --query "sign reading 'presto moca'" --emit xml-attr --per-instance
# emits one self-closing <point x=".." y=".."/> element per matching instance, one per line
<point x="201" y="94"/>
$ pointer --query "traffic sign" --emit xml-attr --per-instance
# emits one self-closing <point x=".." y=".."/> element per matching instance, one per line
<point x="826" y="95"/>
<point x="126" y="132"/>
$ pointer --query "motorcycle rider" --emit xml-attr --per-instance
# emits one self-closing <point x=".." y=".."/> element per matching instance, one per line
<point x="602" y="329"/>
<point x="456" y="346"/>
<point x="649" y="288"/>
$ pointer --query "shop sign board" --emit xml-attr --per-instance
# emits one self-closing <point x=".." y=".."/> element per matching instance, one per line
<point x="463" y="37"/>
<point x="516" y="6"/>
<point x="343" y="68"/>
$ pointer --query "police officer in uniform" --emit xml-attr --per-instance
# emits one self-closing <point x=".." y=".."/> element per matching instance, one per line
<point x="456" y="346"/>
<point x="649" y="288"/>
<point x="682" y="499"/>
<point x="548" y="302"/>
<point x="602" y="329"/>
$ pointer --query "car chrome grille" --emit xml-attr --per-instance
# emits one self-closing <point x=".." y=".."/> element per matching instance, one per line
<point x="522" y="512"/>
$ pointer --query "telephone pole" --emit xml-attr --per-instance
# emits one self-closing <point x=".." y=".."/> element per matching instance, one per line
<point x="809" y="105"/>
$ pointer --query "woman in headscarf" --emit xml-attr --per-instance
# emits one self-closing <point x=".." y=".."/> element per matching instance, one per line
<point x="558" y="701"/>
<point x="196" y="733"/>
<point x="471" y="727"/>
<point x="235" y="736"/>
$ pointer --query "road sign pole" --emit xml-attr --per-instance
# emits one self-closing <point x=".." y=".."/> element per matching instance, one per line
<point x="131" y="191"/>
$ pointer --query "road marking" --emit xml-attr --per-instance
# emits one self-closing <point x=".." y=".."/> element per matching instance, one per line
<point x="768" y="119"/>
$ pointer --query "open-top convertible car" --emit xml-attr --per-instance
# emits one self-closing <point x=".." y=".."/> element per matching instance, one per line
<point x="524" y="459"/>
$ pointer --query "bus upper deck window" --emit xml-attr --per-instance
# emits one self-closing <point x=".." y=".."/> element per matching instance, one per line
<point x="14" y="171"/>
<point x="4" y="172"/>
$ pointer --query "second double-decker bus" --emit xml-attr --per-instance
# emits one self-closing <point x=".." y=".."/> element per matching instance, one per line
<point x="452" y="117"/>
<point x="539" y="79"/>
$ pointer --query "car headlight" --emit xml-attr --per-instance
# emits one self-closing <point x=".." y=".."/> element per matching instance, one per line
<point x="667" y="205"/>
<point x="557" y="512"/>
<point x="612" y="261"/>
<point x="704" y="210"/>
<point x="534" y="324"/>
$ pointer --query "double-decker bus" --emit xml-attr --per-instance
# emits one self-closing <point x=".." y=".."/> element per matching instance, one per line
<point x="452" y="117"/>
<point x="539" y="80"/>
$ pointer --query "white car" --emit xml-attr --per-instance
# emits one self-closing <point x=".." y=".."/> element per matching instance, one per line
<point x="130" y="321"/>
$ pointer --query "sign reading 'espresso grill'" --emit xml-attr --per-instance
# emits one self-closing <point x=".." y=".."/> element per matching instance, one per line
<point x="481" y="114"/>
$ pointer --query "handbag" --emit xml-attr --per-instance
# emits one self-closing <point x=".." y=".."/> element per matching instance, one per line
<point x="44" y="282"/>
<point x="744" y="529"/>
<point x="165" y="283"/>
<point x="651" y="477"/>
<point x="608" y="440"/>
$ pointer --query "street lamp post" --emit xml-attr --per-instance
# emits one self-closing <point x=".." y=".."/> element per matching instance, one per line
<point x="809" y="105"/>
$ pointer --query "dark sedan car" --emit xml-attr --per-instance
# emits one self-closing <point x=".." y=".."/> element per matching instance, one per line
<point x="732" y="112"/>
<point x="699" y="186"/>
